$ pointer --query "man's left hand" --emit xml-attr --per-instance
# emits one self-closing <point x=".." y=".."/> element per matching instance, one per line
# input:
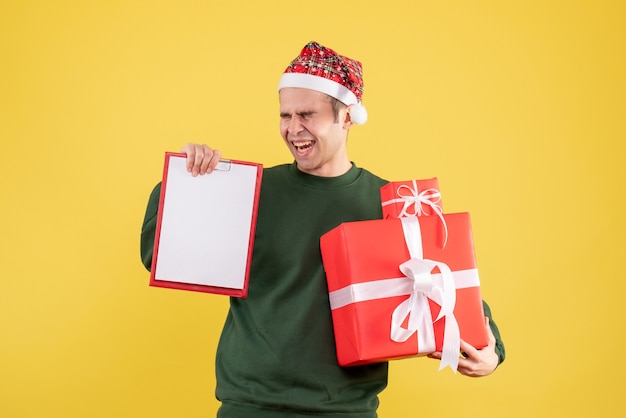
<point x="476" y="362"/>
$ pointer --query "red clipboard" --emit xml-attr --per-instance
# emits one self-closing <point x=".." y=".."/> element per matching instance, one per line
<point x="206" y="226"/>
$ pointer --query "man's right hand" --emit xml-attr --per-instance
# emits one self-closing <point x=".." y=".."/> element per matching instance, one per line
<point x="201" y="159"/>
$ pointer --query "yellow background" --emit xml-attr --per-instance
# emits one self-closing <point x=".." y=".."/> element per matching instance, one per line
<point x="517" y="107"/>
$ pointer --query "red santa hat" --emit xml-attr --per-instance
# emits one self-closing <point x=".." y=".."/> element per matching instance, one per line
<point x="322" y="69"/>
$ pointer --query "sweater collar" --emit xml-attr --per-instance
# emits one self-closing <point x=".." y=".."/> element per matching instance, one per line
<point x="319" y="182"/>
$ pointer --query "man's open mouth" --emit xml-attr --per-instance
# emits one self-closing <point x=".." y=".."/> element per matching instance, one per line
<point x="302" y="146"/>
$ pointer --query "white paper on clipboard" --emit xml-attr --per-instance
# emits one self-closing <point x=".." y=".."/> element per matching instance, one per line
<point x="206" y="225"/>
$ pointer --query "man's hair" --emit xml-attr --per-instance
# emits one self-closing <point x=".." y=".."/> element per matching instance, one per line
<point x="336" y="105"/>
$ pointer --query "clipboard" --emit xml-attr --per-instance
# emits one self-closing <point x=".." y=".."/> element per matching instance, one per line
<point x="206" y="226"/>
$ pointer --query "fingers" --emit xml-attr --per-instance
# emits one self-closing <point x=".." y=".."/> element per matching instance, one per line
<point x="478" y="362"/>
<point x="473" y="362"/>
<point x="467" y="349"/>
<point x="201" y="159"/>
<point x="469" y="368"/>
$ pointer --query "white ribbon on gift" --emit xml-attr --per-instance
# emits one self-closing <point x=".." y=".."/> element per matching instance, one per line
<point x="415" y="199"/>
<point x="397" y="286"/>
<point x="420" y="284"/>
<point x="417" y="309"/>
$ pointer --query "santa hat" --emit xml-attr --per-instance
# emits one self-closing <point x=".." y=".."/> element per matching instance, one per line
<point x="322" y="69"/>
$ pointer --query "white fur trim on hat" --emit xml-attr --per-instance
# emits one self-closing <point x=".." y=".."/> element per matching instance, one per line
<point x="314" y="82"/>
<point x="358" y="114"/>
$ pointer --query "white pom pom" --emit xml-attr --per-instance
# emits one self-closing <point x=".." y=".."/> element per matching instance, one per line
<point x="358" y="114"/>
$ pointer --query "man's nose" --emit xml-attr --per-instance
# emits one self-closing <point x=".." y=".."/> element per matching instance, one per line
<point x="295" y="126"/>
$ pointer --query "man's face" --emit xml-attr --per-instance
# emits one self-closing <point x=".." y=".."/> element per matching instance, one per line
<point x="315" y="139"/>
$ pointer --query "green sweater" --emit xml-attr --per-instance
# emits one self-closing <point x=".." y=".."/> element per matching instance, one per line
<point x="276" y="356"/>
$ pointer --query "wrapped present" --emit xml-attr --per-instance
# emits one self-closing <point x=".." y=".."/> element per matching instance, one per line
<point x="396" y="291"/>
<point x="411" y="198"/>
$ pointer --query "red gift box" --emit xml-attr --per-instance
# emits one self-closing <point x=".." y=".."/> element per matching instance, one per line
<point x="389" y="281"/>
<point x="411" y="198"/>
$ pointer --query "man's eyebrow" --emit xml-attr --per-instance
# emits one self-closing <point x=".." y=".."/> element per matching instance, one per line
<point x="303" y="113"/>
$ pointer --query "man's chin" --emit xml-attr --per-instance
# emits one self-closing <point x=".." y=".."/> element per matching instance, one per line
<point x="305" y="166"/>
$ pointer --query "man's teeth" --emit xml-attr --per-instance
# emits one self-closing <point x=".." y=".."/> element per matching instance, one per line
<point x="301" y="146"/>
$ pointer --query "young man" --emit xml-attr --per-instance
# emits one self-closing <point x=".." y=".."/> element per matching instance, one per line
<point x="276" y="356"/>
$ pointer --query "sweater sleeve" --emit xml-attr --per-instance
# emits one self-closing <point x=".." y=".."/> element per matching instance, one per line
<point x="148" y="228"/>
<point x="496" y="333"/>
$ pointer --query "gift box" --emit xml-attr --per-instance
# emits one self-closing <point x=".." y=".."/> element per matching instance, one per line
<point x="411" y="198"/>
<point x="397" y="291"/>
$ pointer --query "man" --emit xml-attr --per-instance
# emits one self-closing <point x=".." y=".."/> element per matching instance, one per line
<point x="276" y="356"/>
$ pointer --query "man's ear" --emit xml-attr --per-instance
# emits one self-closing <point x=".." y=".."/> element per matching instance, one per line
<point x="347" y="120"/>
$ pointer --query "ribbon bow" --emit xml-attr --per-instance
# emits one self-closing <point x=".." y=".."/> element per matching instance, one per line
<point x="416" y="307"/>
<point x="414" y="200"/>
